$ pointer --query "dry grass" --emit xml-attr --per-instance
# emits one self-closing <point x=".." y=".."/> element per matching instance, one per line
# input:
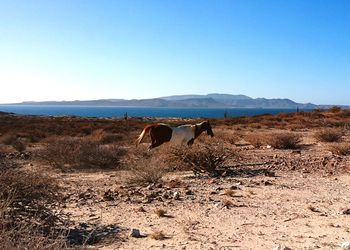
<point x="340" y="148"/>
<point x="228" y="192"/>
<point x="329" y="135"/>
<point x="227" y="203"/>
<point x="158" y="235"/>
<point x="160" y="212"/>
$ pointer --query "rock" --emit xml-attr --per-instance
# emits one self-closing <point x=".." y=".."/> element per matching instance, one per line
<point x="345" y="245"/>
<point x="165" y="196"/>
<point x="141" y="209"/>
<point x="270" y="174"/>
<point x="135" y="233"/>
<point x="283" y="248"/>
<point x="189" y="192"/>
<point x="346" y="211"/>
<point x="268" y="183"/>
<point x="108" y="195"/>
<point x="176" y="195"/>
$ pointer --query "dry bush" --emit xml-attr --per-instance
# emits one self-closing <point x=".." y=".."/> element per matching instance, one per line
<point x="340" y="148"/>
<point x="32" y="198"/>
<point x="8" y="138"/>
<point x="145" y="171"/>
<point x="227" y="136"/>
<point x="345" y="113"/>
<point x="81" y="153"/>
<point x="26" y="236"/>
<point x="28" y="202"/>
<point x="335" y="109"/>
<point x="284" y="140"/>
<point x="104" y="137"/>
<point x="200" y="158"/>
<point x="256" y="139"/>
<point x="36" y="136"/>
<point x="19" y="145"/>
<point x="112" y="138"/>
<point x="14" y="141"/>
<point x="329" y="135"/>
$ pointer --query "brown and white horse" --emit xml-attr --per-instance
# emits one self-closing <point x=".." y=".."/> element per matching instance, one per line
<point x="161" y="133"/>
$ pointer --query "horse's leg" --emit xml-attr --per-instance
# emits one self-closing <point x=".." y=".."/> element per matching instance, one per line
<point x="154" y="145"/>
<point x="190" y="142"/>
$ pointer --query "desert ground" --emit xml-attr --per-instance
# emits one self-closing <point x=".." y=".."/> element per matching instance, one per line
<point x="265" y="182"/>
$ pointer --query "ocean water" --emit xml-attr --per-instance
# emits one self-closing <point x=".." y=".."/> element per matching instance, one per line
<point x="101" y="111"/>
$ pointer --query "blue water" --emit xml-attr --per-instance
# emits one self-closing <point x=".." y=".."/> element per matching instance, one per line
<point x="98" y="111"/>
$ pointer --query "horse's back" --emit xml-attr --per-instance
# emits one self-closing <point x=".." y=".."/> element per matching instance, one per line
<point x="182" y="134"/>
<point x="161" y="132"/>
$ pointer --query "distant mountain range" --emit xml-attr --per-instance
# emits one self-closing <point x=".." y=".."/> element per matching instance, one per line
<point x="209" y="100"/>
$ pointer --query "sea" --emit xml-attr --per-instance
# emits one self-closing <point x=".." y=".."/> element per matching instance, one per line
<point x="161" y="112"/>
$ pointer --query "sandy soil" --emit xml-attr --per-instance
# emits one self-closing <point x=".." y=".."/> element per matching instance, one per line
<point x="293" y="199"/>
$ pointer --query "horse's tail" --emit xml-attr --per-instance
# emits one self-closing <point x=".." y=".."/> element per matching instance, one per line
<point x="143" y="133"/>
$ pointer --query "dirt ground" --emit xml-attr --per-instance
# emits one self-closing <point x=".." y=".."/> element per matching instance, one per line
<point x="300" y="211"/>
<point x="266" y="198"/>
<point x="290" y="200"/>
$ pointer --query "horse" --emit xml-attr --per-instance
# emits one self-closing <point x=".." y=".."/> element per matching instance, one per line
<point x="161" y="133"/>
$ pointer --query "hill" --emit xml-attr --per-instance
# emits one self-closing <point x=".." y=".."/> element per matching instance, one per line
<point x="209" y="100"/>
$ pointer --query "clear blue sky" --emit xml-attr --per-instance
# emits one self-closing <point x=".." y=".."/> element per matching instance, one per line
<point x="91" y="49"/>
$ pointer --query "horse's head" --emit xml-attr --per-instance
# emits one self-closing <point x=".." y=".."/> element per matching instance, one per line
<point x="207" y="127"/>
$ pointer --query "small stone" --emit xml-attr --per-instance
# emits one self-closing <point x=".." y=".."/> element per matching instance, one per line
<point x="270" y="174"/>
<point x="165" y="196"/>
<point x="268" y="183"/>
<point x="346" y="211"/>
<point x="141" y="209"/>
<point x="189" y="192"/>
<point x="176" y="195"/>
<point x="135" y="233"/>
<point x="282" y="248"/>
<point x="345" y="245"/>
